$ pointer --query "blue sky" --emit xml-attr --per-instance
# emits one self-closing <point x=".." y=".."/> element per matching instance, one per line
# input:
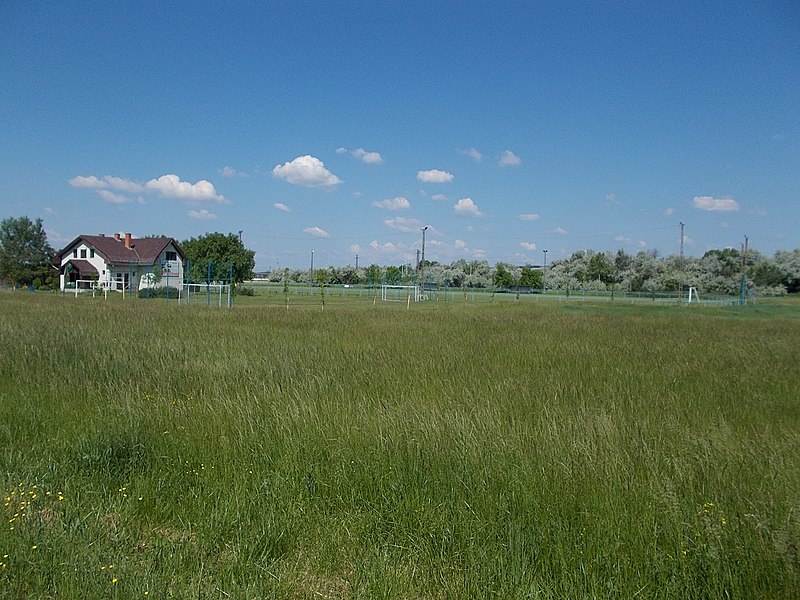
<point x="506" y="128"/>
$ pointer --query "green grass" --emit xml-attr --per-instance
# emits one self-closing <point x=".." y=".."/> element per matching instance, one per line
<point x="454" y="450"/>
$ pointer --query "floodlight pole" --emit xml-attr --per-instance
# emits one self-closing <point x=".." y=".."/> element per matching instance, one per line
<point x="544" y="273"/>
<point x="422" y="262"/>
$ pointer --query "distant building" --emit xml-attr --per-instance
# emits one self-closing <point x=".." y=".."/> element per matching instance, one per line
<point x="120" y="263"/>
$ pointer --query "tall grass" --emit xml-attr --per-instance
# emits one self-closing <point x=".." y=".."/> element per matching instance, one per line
<point x="515" y="450"/>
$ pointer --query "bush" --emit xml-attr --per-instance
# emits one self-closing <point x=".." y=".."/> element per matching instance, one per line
<point x="245" y="291"/>
<point x="159" y="292"/>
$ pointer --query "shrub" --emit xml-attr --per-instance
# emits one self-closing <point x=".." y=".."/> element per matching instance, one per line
<point x="159" y="292"/>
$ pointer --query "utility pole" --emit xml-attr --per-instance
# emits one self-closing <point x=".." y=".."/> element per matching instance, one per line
<point x="422" y="264"/>
<point x="312" y="267"/>
<point x="240" y="235"/>
<point x="680" y="280"/>
<point x="544" y="273"/>
<point x="356" y="262"/>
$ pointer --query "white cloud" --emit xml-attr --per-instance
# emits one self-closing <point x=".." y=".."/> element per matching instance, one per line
<point x="370" y="158"/>
<point x="355" y="248"/>
<point x="317" y="232"/>
<point x="231" y="172"/>
<point x="112" y="198"/>
<point x="474" y="154"/>
<point x="669" y="212"/>
<point x="170" y="186"/>
<point x="281" y="206"/>
<point x="528" y="245"/>
<point x="560" y="231"/>
<point x="403" y="224"/>
<point x="529" y="217"/>
<point x="467" y="207"/>
<point x="201" y="215"/>
<point x="108" y="181"/>
<point x="435" y="176"/>
<point x="386" y="247"/>
<point x="611" y="199"/>
<point x="509" y="159"/>
<point x="307" y="171"/>
<point x="709" y="203"/>
<point x="91" y="181"/>
<point x="759" y="212"/>
<point x="438" y="197"/>
<point x="341" y="150"/>
<point x="460" y="244"/>
<point x="399" y="203"/>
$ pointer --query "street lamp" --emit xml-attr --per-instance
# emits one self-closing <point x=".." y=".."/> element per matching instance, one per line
<point x="422" y="263"/>
<point x="544" y="274"/>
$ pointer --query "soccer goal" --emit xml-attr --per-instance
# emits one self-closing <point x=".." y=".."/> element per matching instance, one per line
<point x="693" y="293"/>
<point x="400" y="293"/>
<point x="207" y="293"/>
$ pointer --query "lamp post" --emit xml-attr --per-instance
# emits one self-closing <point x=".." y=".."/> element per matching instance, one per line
<point x="422" y="262"/>
<point x="544" y="273"/>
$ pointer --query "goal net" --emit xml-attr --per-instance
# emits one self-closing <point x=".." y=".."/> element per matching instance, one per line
<point x="218" y="294"/>
<point x="400" y="293"/>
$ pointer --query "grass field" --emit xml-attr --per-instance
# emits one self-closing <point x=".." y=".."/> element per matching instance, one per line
<point x="450" y="450"/>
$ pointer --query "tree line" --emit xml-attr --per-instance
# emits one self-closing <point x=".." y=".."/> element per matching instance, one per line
<point x="717" y="272"/>
<point x="27" y="259"/>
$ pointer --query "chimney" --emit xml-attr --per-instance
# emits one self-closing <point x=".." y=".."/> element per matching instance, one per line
<point x="116" y="237"/>
<point x="102" y="234"/>
<point x="127" y="240"/>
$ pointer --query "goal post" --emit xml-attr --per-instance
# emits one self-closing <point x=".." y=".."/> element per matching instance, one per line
<point x="208" y="293"/>
<point x="400" y="293"/>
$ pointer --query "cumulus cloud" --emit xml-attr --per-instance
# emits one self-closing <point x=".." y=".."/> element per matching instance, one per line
<point x="403" y="224"/>
<point x="474" y="154"/>
<point x="529" y="217"/>
<point x="560" y="231"/>
<point x="201" y="215"/>
<point x="385" y="248"/>
<point x="399" y="203"/>
<point x="317" y="232"/>
<point x="281" y="206"/>
<point x="112" y="197"/>
<point x="711" y="204"/>
<point x="435" y="176"/>
<point x="467" y="207"/>
<point x="370" y="158"/>
<point x="307" y="171"/>
<point x="460" y="244"/>
<point x="438" y="197"/>
<point x="106" y="182"/>
<point x="509" y="159"/>
<point x="231" y="172"/>
<point x="528" y="245"/>
<point x="171" y="186"/>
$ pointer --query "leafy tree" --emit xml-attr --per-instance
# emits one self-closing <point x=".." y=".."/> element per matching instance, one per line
<point x="218" y="249"/>
<point x="25" y="255"/>
<point x="393" y="275"/>
<point x="502" y="277"/>
<point x="530" y="277"/>
<point x="789" y="263"/>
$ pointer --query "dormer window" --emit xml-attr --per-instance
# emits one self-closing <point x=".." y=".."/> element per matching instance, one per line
<point x="83" y="252"/>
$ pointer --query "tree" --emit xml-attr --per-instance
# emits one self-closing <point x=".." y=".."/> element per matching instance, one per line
<point x="530" y="277"/>
<point x="219" y="250"/>
<point x="502" y="277"/>
<point x="25" y="255"/>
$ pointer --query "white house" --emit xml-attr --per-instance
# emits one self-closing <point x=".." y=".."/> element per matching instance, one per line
<point x="120" y="262"/>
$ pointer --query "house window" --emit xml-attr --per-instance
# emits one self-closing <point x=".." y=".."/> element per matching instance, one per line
<point x="75" y="253"/>
<point x="83" y="252"/>
<point x="172" y="255"/>
<point x="91" y="252"/>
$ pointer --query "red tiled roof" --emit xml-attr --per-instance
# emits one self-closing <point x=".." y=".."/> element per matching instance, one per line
<point x="83" y="266"/>
<point x="143" y="251"/>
